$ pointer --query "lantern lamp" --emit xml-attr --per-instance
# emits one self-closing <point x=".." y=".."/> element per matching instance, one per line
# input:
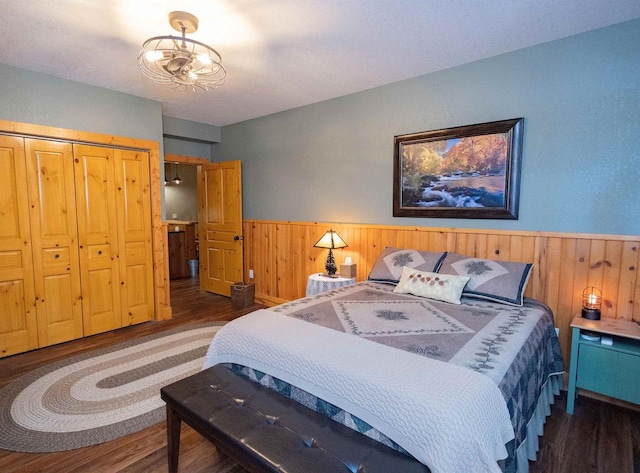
<point x="591" y="303"/>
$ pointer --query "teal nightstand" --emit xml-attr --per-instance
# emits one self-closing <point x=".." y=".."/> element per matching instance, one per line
<point x="612" y="370"/>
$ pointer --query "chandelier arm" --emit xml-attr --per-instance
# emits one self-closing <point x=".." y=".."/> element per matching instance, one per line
<point x="189" y="40"/>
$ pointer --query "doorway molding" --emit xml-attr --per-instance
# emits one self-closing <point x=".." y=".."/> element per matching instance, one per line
<point x="180" y="159"/>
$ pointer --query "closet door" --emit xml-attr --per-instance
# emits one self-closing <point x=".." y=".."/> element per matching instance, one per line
<point x="18" y="329"/>
<point x="134" y="236"/>
<point x="98" y="237"/>
<point x="54" y="236"/>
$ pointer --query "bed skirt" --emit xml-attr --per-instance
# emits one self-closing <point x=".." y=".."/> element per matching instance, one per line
<point x="535" y="428"/>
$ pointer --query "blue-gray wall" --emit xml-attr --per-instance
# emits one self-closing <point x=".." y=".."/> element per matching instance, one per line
<point x="181" y="199"/>
<point x="189" y="138"/>
<point x="192" y="148"/>
<point x="31" y="97"/>
<point x="580" y="97"/>
<point x="185" y="138"/>
<point x="185" y="129"/>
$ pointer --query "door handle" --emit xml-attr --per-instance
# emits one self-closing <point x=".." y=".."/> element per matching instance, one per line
<point x="238" y="237"/>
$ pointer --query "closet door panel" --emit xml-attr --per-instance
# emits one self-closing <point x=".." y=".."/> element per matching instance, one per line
<point x="59" y="303"/>
<point x="18" y="327"/>
<point x="134" y="236"/>
<point x="52" y="204"/>
<point x="98" y="236"/>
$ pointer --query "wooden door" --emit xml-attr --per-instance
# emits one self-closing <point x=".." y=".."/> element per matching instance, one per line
<point x="134" y="236"/>
<point x="220" y="226"/>
<point x="54" y="236"/>
<point x="98" y="237"/>
<point x="18" y="328"/>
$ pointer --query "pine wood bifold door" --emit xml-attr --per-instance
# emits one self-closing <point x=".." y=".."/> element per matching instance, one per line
<point x="76" y="241"/>
<point x="98" y="237"/>
<point x="220" y="226"/>
<point x="18" y="328"/>
<point x="54" y="237"/>
<point x="135" y="247"/>
<point x="114" y="231"/>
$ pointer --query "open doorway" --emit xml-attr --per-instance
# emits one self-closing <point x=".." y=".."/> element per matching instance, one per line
<point x="181" y="215"/>
<point x="211" y="250"/>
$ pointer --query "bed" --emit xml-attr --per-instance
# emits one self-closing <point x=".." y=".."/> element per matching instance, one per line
<point x="437" y="355"/>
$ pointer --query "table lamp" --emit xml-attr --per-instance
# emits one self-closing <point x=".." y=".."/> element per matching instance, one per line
<point x="330" y="241"/>
<point x="591" y="302"/>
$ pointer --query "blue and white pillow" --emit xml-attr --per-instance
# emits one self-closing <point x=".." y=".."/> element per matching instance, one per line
<point x="388" y="266"/>
<point x="499" y="281"/>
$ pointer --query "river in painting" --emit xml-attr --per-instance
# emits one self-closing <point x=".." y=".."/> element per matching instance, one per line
<point x="462" y="191"/>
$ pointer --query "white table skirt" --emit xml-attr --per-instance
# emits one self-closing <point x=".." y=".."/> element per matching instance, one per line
<point x="318" y="283"/>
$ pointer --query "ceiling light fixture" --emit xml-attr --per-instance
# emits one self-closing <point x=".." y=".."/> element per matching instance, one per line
<point x="177" y="180"/>
<point x="180" y="62"/>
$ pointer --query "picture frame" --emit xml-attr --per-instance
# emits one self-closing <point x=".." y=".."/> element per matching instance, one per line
<point x="470" y="171"/>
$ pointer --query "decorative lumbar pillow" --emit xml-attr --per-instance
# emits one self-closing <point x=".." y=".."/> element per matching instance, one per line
<point x="388" y="267"/>
<point x="499" y="281"/>
<point x="441" y="287"/>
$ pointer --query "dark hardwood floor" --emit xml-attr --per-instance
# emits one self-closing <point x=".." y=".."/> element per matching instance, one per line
<point x="146" y="450"/>
<point x="599" y="437"/>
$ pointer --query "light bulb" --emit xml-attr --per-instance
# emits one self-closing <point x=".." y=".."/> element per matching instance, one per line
<point x="153" y="56"/>
<point x="204" y="59"/>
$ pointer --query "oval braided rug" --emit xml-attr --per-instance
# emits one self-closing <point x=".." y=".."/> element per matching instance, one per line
<point x="100" y="395"/>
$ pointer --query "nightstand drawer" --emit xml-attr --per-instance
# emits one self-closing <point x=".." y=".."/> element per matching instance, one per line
<point x="609" y="372"/>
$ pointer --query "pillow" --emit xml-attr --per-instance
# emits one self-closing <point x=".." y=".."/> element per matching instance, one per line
<point x="499" y="281"/>
<point x="441" y="287"/>
<point x="388" y="267"/>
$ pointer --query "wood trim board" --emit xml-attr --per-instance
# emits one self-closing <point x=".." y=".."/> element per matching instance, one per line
<point x="180" y="159"/>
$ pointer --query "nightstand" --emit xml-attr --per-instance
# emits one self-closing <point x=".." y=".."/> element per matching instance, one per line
<point x="318" y="283"/>
<point x="612" y="370"/>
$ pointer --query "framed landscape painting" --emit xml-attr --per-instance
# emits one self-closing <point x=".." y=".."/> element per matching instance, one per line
<point x="464" y="172"/>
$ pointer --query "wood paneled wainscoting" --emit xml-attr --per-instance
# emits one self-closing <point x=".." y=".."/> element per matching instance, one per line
<point x="282" y="255"/>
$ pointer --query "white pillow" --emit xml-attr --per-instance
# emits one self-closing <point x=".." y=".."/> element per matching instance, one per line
<point x="441" y="287"/>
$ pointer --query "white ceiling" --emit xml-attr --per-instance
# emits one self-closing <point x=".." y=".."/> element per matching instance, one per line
<point x="281" y="54"/>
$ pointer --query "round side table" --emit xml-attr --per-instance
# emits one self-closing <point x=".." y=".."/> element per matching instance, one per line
<point x="318" y="283"/>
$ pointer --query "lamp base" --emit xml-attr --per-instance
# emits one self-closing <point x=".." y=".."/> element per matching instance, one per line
<point x="330" y="265"/>
<point x="591" y="314"/>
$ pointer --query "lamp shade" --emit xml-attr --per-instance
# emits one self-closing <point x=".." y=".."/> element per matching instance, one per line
<point x="330" y="240"/>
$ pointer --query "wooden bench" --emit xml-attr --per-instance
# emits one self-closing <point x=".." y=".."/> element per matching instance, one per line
<point x="264" y="431"/>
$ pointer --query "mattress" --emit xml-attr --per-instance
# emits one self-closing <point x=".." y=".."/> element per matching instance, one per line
<point x="515" y="347"/>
